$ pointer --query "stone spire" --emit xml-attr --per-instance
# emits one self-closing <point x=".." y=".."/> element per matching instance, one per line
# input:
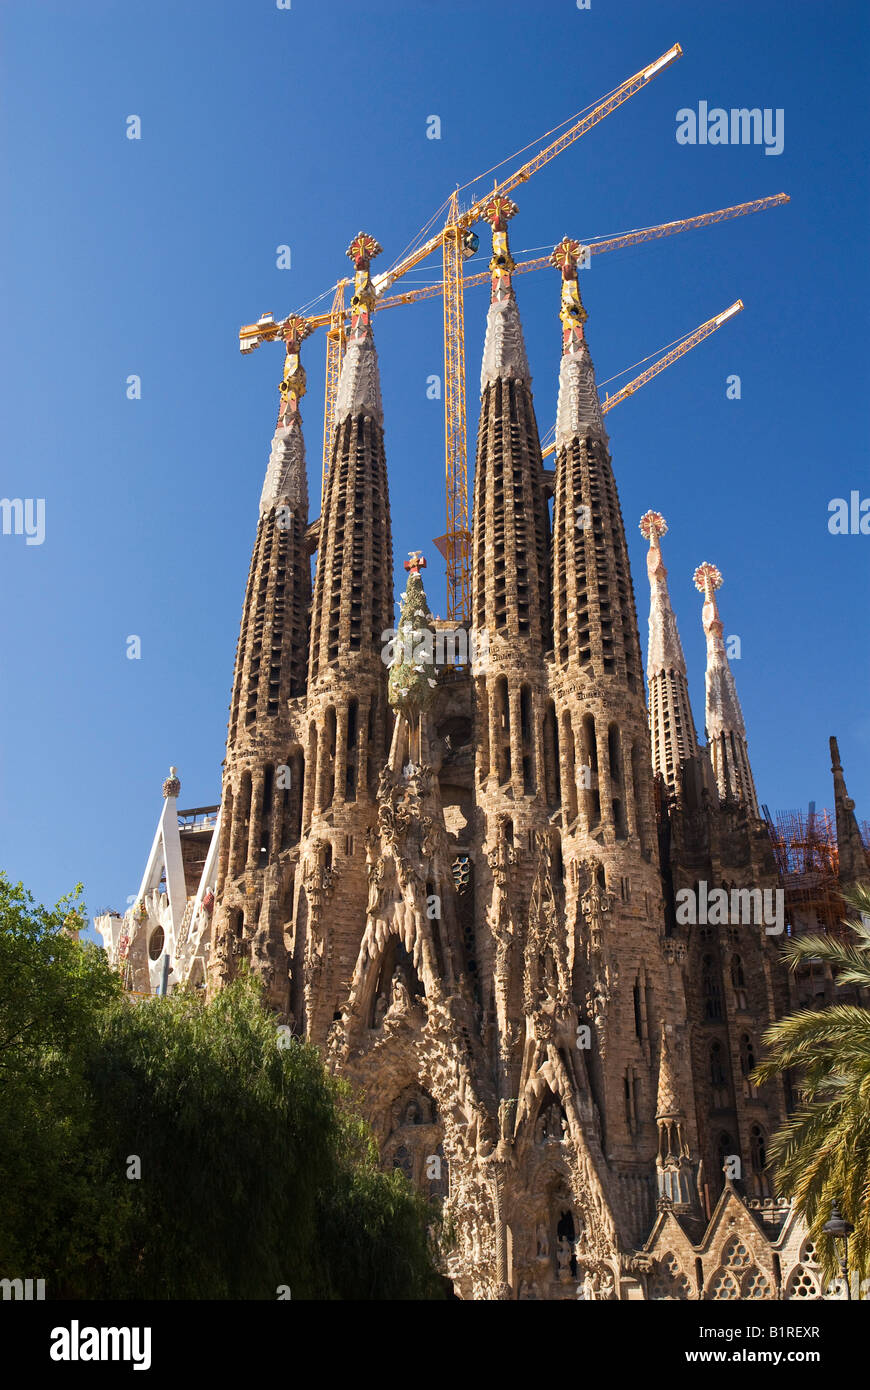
<point x="504" y="350"/>
<point x="579" y="409"/>
<point x="271" y="656"/>
<point x="263" y="771"/>
<point x="595" y="626"/>
<point x="853" y="859"/>
<point x="353" y="601"/>
<point x="510" y="541"/>
<point x="286" y="481"/>
<point x="672" y="727"/>
<point x="673" y="1169"/>
<point x="726" y="731"/>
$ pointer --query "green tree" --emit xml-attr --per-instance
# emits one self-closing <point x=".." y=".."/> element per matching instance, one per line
<point x="822" y="1154"/>
<point x="53" y="995"/>
<point x="181" y="1148"/>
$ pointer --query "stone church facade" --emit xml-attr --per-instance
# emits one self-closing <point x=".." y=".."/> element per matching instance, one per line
<point x="492" y="906"/>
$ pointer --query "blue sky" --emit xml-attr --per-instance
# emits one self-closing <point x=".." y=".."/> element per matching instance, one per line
<point x="263" y="127"/>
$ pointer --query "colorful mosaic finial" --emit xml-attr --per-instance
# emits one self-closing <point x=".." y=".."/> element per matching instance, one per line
<point x="362" y="251"/>
<point x="294" y="330"/>
<point x="416" y="562"/>
<point x="565" y="257"/>
<point x="498" y="212"/>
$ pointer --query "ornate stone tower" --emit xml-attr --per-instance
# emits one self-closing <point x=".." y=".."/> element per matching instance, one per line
<point x="674" y="742"/>
<point x="726" y="731"/>
<point x="264" y="768"/>
<point x="623" y="974"/>
<point x="720" y="883"/>
<point x="514" y="787"/>
<point x="347" y="727"/>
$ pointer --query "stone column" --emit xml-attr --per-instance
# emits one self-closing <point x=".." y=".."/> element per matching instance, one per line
<point x="255" y="818"/>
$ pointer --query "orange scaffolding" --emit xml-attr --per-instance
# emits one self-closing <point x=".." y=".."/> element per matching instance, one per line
<point x="805" y="847"/>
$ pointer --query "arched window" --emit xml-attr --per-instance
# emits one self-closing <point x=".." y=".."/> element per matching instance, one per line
<point x="757" y="1150"/>
<point x="718" y="1076"/>
<point x="738" y="980"/>
<point x="711" y="991"/>
<point x="717" y="1071"/>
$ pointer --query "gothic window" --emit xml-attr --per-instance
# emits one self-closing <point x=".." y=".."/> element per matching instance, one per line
<point x="551" y="758"/>
<point x="718" y="1077"/>
<point x="735" y="1255"/>
<point x="711" y="991"/>
<point x="757" y="1150"/>
<point x="738" y="980"/>
<point x="801" y="1284"/>
<point x="808" y="1253"/>
<point x="723" y="1286"/>
<point x="747" y="1064"/>
<point x="350" y="774"/>
<point x="669" y="1282"/>
<point x="756" y="1285"/>
<point x="570" y="790"/>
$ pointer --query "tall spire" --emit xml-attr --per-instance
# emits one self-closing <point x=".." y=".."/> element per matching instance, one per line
<point x="510" y="529"/>
<point x="263" y="772"/>
<point x="594" y="622"/>
<point x="853" y="860"/>
<point x="353" y="601"/>
<point x="286" y="482"/>
<point x="673" y="1168"/>
<point x="579" y="409"/>
<point x="726" y="731"/>
<point x="359" y="385"/>
<point x="672" y="727"/>
<point x="504" y="351"/>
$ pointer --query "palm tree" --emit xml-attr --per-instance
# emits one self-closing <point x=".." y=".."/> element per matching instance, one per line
<point x="822" y="1154"/>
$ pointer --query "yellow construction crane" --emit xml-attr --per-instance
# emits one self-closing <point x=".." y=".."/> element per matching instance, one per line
<point x="458" y="243"/>
<point x="691" y="340"/>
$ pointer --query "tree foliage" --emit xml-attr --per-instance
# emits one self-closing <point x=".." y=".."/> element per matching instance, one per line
<point x="822" y="1154"/>
<point x="179" y="1148"/>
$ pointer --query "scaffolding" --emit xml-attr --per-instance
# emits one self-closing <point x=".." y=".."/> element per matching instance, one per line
<point x="805" y="848"/>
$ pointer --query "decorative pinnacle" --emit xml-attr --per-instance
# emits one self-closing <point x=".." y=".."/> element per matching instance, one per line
<point x="362" y="251"/>
<point x="293" y="330"/>
<point x="172" y="786"/>
<point x="572" y="314"/>
<point x="706" y="579"/>
<point x="653" y="526"/>
<point x="565" y="257"/>
<point x="416" y="562"/>
<point x="498" y="212"/>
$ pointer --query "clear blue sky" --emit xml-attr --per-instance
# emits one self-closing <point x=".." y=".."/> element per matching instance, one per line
<point x="262" y="127"/>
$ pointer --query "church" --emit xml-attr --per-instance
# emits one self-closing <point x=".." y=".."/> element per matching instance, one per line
<point x="463" y="880"/>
